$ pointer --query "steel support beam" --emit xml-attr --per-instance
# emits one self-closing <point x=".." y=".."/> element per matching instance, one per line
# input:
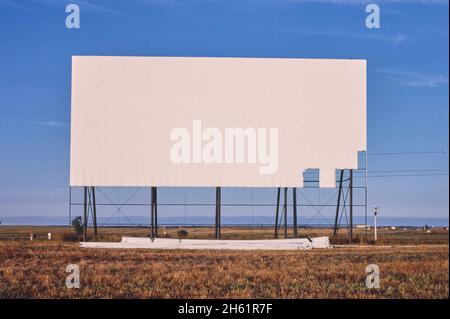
<point x="154" y="222"/>
<point x="89" y="206"/>
<point x="218" y="213"/>
<point x="285" y="209"/>
<point x="277" y="212"/>
<point x="156" y="211"/>
<point x="85" y="213"/>
<point x="294" y="211"/>
<point x="351" y="206"/>
<point x="94" y="212"/>
<point x="338" y="203"/>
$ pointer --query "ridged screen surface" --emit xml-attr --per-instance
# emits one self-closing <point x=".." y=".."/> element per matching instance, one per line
<point x="126" y="112"/>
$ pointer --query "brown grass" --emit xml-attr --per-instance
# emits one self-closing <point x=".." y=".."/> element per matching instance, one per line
<point x="410" y="236"/>
<point x="37" y="270"/>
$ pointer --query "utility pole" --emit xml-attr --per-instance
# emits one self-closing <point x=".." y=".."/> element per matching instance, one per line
<point x="375" y="213"/>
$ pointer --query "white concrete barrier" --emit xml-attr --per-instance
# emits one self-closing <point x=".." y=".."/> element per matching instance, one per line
<point x="170" y="243"/>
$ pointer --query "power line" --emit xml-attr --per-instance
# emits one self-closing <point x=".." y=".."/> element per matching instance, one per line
<point x="407" y="175"/>
<point x="405" y="171"/>
<point x="359" y="171"/>
<point x="441" y="152"/>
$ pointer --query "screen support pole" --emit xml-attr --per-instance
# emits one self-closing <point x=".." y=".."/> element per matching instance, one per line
<point x="154" y="213"/>
<point x="341" y="178"/>
<point x="89" y="205"/>
<point x="94" y="211"/>
<point x="294" y="211"/>
<point x="218" y="213"/>
<point x="351" y="207"/>
<point x="276" y="212"/>
<point x="285" y="209"/>
<point x="85" y="215"/>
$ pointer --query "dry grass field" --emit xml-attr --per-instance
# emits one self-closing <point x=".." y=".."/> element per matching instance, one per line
<point x="37" y="269"/>
<point x="409" y="236"/>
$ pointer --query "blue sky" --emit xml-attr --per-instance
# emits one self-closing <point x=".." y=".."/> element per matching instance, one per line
<point x="408" y="99"/>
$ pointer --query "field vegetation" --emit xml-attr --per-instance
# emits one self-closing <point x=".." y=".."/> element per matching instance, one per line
<point x="411" y="264"/>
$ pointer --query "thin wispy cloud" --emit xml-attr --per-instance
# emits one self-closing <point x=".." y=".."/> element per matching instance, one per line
<point x="13" y="4"/>
<point x="101" y="7"/>
<point x="104" y="7"/>
<point x="370" y="36"/>
<point x="95" y="8"/>
<point x="391" y="38"/>
<point x="364" y="2"/>
<point x="40" y="123"/>
<point x="414" y="79"/>
<point x="337" y="2"/>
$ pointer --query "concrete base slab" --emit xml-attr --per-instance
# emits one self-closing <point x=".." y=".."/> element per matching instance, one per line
<point x="171" y="243"/>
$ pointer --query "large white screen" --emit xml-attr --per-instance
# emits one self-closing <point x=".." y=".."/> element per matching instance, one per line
<point x="126" y="109"/>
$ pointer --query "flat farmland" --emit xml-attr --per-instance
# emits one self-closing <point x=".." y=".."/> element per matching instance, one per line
<point x="36" y="269"/>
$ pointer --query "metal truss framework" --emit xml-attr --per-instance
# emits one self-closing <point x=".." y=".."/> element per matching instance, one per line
<point x="89" y="208"/>
<point x="345" y="205"/>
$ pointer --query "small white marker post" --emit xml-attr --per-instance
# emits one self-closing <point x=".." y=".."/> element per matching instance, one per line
<point x="375" y="213"/>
